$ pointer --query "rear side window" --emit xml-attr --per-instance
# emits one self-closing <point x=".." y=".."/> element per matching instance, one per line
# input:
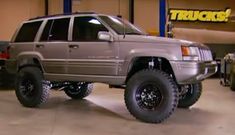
<point x="28" y="32"/>
<point x="56" y="30"/>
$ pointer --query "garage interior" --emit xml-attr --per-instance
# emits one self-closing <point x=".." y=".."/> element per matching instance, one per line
<point x="104" y="111"/>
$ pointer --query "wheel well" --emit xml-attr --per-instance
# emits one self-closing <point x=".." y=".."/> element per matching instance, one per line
<point x="158" y="63"/>
<point x="34" y="62"/>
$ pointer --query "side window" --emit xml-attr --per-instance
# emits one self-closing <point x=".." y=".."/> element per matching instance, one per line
<point x="46" y="31"/>
<point x="87" y="29"/>
<point x="28" y="32"/>
<point x="56" y="30"/>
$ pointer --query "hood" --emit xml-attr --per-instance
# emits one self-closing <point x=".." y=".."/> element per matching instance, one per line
<point x="158" y="40"/>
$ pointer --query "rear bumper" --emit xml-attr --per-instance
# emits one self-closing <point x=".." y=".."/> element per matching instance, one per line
<point x="11" y="66"/>
<point x="193" y="72"/>
<point x="6" y="78"/>
<point x="2" y="63"/>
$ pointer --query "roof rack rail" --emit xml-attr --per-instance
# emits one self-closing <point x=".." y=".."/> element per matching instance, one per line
<point x="56" y="15"/>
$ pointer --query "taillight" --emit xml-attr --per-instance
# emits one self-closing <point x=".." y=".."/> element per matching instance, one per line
<point x="5" y="54"/>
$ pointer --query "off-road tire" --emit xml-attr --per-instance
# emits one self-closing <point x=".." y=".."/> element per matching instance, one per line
<point x="232" y="81"/>
<point x="164" y="88"/>
<point x="31" y="90"/>
<point x="191" y="96"/>
<point x="75" y="92"/>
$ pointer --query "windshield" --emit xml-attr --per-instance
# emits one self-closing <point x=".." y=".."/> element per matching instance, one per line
<point x="121" y="26"/>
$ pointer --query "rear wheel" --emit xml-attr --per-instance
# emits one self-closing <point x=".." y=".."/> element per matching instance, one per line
<point x="190" y="95"/>
<point x="151" y="96"/>
<point x="78" y="90"/>
<point x="31" y="89"/>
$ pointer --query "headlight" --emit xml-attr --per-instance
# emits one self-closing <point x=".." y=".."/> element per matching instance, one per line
<point x="190" y="53"/>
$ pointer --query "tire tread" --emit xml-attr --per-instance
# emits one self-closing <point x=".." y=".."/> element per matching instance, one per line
<point x="175" y="95"/>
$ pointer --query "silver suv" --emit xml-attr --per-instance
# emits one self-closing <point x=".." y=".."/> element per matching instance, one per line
<point x="70" y="52"/>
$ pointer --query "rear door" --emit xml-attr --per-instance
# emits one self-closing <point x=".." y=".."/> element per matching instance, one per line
<point x="87" y="54"/>
<point x="53" y="45"/>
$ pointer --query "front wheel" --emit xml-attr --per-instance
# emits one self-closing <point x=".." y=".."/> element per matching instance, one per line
<point x="151" y="96"/>
<point x="78" y="90"/>
<point x="189" y="95"/>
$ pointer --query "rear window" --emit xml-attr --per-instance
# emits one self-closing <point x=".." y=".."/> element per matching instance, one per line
<point x="28" y="32"/>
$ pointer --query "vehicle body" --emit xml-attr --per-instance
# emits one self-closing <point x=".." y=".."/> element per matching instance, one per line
<point x="6" y="79"/>
<point x="3" y="53"/>
<point x="89" y="47"/>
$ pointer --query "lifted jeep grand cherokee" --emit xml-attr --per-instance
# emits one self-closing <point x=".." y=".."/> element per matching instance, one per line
<point x="74" y="51"/>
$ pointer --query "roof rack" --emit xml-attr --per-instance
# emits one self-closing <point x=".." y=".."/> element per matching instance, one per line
<point x="56" y="15"/>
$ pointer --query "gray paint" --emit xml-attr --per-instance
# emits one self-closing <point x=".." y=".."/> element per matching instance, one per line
<point x="106" y="61"/>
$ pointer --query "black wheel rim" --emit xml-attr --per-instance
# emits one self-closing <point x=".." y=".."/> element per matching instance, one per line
<point x="75" y="88"/>
<point x="27" y="89"/>
<point x="149" y="96"/>
<point x="188" y="92"/>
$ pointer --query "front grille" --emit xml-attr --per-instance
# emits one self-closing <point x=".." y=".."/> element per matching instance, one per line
<point x="205" y="54"/>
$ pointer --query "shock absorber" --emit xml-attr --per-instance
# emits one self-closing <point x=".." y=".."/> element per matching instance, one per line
<point x="160" y="63"/>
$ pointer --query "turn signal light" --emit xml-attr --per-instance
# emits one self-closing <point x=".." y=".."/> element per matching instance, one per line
<point x="185" y="50"/>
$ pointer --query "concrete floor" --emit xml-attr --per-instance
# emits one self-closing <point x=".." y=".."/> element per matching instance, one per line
<point x="104" y="113"/>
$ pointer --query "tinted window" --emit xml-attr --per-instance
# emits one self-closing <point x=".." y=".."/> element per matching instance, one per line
<point x="121" y="26"/>
<point x="86" y="29"/>
<point x="56" y="30"/>
<point x="28" y="32"/>
<point x="46" y="31"/>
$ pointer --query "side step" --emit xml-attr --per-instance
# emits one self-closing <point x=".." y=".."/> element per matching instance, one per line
<point x="117" y="86"/>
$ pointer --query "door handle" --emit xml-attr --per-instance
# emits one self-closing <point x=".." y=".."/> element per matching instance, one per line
<point x="40" y="46"/>
<point x="74" y="46"/>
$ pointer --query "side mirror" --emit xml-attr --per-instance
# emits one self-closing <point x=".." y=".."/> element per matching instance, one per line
<point x="105" y="36"/>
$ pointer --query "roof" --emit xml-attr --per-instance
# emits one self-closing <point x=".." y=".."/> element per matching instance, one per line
<point x="57" y="15"/>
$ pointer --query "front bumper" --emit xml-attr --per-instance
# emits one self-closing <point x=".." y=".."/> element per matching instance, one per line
<point x="192" y="72"/>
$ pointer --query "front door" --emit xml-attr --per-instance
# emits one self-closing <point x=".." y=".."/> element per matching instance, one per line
<point x="87" y="54"/>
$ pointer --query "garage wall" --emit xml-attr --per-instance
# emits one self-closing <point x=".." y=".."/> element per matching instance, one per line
<point x="112" y="7"/>
<point x="205" y="36"/>
<point x="146" y="11"/>
<point x="205" y="5"/>
<point x="55" y="6"/>
<point x="212" y="33"/>
<point x="13" y="12"/>
<point x="16" y="11"/>
<point x="147" y="14"/>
